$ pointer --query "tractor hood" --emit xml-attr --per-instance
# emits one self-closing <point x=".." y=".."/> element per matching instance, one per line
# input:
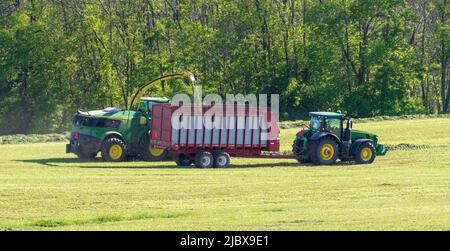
<point x="362" y="134"/>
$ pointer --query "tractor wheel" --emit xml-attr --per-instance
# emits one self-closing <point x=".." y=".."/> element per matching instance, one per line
<point x="183" y="160"/>
<point x="204" y="159"/>
<point x="300" y="158"/>
<point x="324" y="151"/>
<point x="221" y="159"/>
<point x="365" y="154"/>
<point x="113" y="150"/>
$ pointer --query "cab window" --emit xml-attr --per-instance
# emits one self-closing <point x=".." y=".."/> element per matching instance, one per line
<point x="143" y="107"/>
<point x="334" y="126"/>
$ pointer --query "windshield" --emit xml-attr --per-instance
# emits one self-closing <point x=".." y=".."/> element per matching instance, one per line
<point x="315" y="123"/>
<point x="143" y="107"/>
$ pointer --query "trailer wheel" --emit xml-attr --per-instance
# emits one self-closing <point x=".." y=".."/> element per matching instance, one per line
<point x="183" y="160"/>
<point x="204" y="159"/>
<point x="221" y="159"/>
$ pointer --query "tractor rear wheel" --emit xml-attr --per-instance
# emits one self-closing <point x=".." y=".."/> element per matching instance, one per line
<point x="324" y="151"/>
<point x="365" y="154"/>
<point x="113" y="150"/>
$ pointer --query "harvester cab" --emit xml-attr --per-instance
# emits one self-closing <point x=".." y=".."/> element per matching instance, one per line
<point x="330" y="136"/>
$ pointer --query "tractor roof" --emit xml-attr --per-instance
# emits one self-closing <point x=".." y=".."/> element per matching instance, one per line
<point x="327" y="114"/>
<point x="156" y="100"/>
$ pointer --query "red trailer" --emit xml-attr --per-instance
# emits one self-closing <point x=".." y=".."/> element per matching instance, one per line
<point x="208" y="135"/>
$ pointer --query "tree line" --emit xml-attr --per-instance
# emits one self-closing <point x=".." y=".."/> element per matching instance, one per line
<point x="363" y="57"/>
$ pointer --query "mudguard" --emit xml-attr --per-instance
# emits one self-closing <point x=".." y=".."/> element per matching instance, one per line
<point x="355" y="145"/>
<point x="320" y="135"/>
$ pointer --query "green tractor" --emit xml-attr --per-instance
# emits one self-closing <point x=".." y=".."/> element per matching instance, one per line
<point x="118" y="133"/>
<point x="330" y="136"/>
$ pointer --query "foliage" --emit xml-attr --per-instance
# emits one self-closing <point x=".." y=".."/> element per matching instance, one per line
<point x="367" y="58"/>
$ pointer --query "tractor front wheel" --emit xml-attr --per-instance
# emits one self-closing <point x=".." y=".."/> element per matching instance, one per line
<point x="324" y="151"/>
<point x="365" y="154"/>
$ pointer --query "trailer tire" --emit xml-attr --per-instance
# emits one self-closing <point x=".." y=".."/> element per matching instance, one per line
<point x="204" y="159"/>
<point x="182" y="160"/>
<point x="221" y="159"/>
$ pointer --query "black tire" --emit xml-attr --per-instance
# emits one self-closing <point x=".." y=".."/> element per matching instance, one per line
<point x="324" y="151"/>
<point x="204" y="159"/>
<point x="108" y="153"/>
<point x="83" y="155"/>
<point x="182" y="160"/>
<point x="221" y="159"/>
<point x="300" y="158"/>
<point x="365" y="154"/>
<point x="148" y="152"/>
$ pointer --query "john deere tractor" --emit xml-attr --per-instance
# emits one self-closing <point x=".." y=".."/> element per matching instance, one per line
<point x="330" y="137"/>
<point x="117" y="133"/>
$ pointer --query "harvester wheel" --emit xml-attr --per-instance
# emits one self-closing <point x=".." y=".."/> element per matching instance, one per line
<point x="150" y="153"/>
<point x="324" y="151"/>
<point x="83" y="155"/>
<point x="182" y="160"/>
<point x="113" y="150"/>
<point x="221" y="159"/>
<point x="204" y="159"/>
<point x="365" y="154"/>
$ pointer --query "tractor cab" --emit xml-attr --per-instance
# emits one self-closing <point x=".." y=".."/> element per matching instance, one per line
<point x="335" y="123"/>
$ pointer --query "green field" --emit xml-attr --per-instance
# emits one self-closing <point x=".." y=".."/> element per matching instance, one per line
<point x="41" y="187"/>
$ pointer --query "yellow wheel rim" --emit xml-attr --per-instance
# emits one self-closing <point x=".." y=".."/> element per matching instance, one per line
<point x="366" y="154"/>
<point x="115" y="152"/>
<point x="327" y="152"/>
<point x="156" y="151"/>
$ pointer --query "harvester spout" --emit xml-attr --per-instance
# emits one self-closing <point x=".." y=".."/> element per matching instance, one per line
<point x="135" y="98"/>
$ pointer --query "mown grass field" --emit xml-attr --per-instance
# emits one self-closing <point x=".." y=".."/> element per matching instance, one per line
<point x="41" y="187"/>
